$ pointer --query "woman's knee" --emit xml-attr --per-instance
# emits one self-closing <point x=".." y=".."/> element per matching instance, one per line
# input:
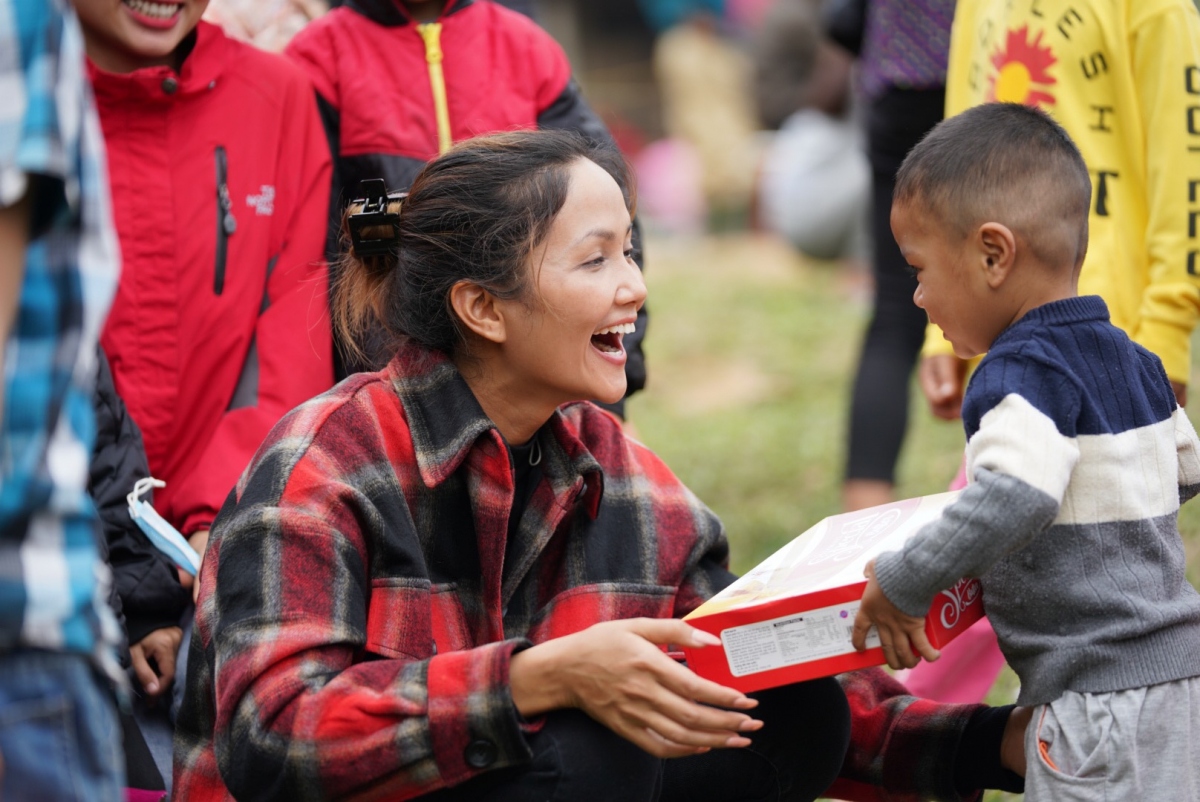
<point x="596" y="763"/>
<point x="575" y="759"/>
<point x="811" y="722"/>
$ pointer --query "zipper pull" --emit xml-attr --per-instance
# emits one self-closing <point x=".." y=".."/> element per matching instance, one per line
<point x="228" y="221"/>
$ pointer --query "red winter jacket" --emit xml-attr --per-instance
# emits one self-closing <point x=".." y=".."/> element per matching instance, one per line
<point x="220" y="180"/>
<point x="375" y="73"/>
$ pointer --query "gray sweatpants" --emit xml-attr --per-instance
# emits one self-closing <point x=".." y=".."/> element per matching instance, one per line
<point x="1140" y="744"/>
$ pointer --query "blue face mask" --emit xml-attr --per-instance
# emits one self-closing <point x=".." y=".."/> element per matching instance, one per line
<point x="165" y="537"/>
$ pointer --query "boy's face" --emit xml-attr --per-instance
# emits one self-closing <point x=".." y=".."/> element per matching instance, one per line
<point x="124" y="35"/>
<point x="952" y="284"/>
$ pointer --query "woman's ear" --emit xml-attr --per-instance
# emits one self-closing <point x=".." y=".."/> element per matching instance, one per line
<point x="478" y="311"/>
<point x="997" y="252"/>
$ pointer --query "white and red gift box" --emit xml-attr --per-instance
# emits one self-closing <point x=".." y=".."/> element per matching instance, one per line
<point x="790" y="618"/>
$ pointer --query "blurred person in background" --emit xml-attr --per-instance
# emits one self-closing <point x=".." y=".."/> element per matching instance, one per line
<point x="400" y="81"/>
<point x="814" y="181"/>
<point x="59" y="735"/>
<point x="902" y="74"/>
<point x="267" y="24"/>
<point x="706" y="100"/>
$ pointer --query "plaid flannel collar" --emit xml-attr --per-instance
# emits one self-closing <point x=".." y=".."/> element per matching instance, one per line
<point x="446" y="421"/>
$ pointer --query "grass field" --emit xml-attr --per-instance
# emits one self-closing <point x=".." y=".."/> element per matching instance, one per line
<point x="752" y="350"/>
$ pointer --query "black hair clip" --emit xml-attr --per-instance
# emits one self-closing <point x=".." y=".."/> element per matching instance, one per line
<point x="376" y="214"/>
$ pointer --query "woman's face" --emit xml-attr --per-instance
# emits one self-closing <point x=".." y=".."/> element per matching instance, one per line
<point x="125" y="35"/>
<point x="564" y="343"/>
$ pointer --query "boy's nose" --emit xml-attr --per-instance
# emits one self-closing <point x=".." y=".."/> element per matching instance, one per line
<point x="919" y="297"/>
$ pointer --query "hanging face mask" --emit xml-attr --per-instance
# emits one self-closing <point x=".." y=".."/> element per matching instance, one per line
<point x="165" y="537"/>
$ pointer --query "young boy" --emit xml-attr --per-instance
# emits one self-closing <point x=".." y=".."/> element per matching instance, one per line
<point x="1079" y="457"/>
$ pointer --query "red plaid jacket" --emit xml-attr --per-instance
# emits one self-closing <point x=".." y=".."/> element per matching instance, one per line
<point x="358" y="610"/>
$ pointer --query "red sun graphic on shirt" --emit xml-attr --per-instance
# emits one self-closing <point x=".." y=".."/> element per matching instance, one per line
<point x="1022" y="70"/>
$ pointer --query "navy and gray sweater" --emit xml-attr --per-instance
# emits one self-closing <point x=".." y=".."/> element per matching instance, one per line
<point x="1079" y="458"/>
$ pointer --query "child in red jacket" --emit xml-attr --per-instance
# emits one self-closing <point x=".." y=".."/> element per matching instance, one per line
<point x="399" y="81"/>
<point x="220" y="178"/>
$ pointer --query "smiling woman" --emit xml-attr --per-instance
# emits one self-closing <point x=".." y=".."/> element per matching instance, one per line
<point x="518" y="264"/>
<point x="455" y="577"/>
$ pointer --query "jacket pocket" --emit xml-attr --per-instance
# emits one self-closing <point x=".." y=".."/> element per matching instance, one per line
<point x="580" y="607"/>
<point x="398" y="620"/>
<point x="226" y="223"/>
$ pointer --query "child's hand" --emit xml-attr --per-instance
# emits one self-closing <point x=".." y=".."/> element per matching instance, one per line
<point x="942" y="378"/>
<point x="899" y="633"/>
<point x="153" y="659"/>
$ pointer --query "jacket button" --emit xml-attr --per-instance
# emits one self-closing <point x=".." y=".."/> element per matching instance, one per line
<point x="170" y="85"/>
<point x="480" y="754"/>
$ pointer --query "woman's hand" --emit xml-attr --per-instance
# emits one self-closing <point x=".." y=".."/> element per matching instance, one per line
<point x="899" y="633"/>
<point x="161" y="646"/>
<point x="618" y="675"/>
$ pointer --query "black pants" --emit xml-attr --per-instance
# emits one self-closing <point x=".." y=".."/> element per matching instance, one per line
<point x="879" y="406"/>
<point x="795" y="756"/>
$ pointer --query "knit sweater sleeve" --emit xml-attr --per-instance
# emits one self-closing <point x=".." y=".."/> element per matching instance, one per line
<point x="1020" y="417"/>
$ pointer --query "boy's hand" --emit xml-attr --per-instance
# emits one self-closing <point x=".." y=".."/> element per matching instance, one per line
<point x="942" y="377"/>
<point x="899" y="633"/>
<point x="153" y="659"/>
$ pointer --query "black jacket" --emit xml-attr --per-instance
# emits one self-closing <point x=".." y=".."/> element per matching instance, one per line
<point x="146" y="594"/>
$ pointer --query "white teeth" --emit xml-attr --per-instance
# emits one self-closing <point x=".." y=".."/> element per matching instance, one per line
<point x="624" y="328"/>
<point x="156" y="10"/>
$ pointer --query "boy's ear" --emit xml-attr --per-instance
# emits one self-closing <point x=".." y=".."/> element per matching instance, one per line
<point x="478" y="311"/>
<point x="997" y="252"/>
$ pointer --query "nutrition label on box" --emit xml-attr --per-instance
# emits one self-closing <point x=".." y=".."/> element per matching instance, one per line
<point x="792" y="639"/>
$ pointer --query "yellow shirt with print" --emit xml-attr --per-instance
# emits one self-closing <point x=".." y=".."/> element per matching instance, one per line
<point x="1123" y="78"/>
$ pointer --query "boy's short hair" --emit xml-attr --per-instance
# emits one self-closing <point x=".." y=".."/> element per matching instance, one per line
<point x="1005" y="163"/>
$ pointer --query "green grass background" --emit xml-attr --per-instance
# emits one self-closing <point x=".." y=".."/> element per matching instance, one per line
<point x="751" y="353"/>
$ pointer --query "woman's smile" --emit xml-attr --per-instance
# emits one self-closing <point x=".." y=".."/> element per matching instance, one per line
<point x="608" y="341"/>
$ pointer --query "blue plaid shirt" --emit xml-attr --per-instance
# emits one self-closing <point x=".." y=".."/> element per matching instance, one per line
<point x="53" y="586"/>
